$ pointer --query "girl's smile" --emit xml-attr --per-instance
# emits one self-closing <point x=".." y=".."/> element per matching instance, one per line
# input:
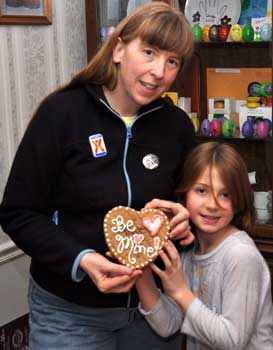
<point x="210" y="219"/>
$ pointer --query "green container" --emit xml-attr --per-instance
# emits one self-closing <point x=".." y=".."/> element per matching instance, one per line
<point x="248" y="32"/>
<point x="197" y="32"/>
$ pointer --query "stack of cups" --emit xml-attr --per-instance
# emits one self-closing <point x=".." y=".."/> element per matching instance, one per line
<point x="263" y="205"/>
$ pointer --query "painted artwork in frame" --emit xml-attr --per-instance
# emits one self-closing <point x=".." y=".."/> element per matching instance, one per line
<point x="25" y="12"/>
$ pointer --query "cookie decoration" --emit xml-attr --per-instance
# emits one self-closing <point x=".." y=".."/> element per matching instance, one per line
<point x="134" y="237"/>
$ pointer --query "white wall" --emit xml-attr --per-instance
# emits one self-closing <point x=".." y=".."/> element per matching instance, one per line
<point x="13" y="290"/>
<point x="33" y="61"/>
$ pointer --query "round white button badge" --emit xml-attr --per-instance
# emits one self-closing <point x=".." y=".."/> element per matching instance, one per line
<point x="150" y="161"/>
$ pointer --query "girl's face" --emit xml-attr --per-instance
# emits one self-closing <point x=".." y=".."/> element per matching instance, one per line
<point x="209" y="217"/>
<point x="144" y="72"/>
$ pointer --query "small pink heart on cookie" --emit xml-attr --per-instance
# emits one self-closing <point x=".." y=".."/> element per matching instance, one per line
<point x="135" y="238"/>
<point x="153" y="224"/>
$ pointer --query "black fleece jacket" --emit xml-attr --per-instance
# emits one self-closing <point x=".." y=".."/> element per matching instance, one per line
<point x="54" y="169"/>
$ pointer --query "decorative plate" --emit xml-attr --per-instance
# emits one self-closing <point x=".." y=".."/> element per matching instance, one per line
<point x="212" y="11"/>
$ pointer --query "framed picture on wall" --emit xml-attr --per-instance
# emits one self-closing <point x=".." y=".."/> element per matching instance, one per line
<point x="25" y="11"/>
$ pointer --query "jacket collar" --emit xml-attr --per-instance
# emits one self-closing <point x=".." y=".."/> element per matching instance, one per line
<point x="97" y="92"/>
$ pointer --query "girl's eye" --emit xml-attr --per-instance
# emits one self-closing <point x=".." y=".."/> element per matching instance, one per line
<point x="200" y="190"/>
<point x="224" y="195"/>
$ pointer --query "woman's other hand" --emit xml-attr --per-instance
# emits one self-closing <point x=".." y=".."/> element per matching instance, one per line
<point x="178" y="217"/>
<point x="109" y="277"/>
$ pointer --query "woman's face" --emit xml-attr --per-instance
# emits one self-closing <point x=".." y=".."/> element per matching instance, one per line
<point x="144" y="72"/>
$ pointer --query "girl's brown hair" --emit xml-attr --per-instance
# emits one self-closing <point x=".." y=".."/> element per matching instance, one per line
<point x="233" y="172"/>
<point x="157" y="24"/>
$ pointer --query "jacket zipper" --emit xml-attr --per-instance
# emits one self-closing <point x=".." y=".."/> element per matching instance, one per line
<point x="129" y="135"/>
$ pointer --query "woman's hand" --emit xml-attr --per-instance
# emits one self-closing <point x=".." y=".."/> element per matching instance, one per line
<point x="179" y="219"/>
<point x="173" y="277"/>
<point x="109" y="277"/>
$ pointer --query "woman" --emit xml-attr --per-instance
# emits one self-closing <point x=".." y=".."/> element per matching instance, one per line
<point x="104" y="139"/>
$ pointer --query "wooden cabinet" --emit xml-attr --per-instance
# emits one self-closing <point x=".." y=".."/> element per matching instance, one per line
<point x="92" y="27"/>
<point x="257" y="153"/>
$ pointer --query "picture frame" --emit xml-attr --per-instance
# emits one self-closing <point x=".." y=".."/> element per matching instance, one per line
<point x="25" y="12"/>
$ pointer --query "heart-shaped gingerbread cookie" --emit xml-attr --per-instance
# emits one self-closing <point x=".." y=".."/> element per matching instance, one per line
<point x="135" y="238"/>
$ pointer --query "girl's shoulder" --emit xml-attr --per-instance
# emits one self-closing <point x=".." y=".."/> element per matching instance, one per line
<point x="240" y="243"/>
<point x="241" y="252"/>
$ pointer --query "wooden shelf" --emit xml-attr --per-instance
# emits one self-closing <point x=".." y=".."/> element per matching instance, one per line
<point x="231" y="44"/>
<point x="234" y="139"/>
<point x="264" y="231"/>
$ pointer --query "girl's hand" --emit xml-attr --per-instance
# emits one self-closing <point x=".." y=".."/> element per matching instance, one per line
<point x="173" y="277"/>
<point x="179" y="219"/>
<point x="109" y="277"/>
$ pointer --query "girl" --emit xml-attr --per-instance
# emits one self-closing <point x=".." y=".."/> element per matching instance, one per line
<point x="218" y="293"/>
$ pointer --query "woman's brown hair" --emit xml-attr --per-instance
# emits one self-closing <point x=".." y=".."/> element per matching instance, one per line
<point x="233" y="172"/>
<point x="157" y="24"/>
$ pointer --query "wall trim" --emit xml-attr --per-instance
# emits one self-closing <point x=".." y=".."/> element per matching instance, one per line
<point x="8" y="252"/>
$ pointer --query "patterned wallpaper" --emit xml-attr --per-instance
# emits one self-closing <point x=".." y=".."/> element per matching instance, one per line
<point x="33" y="61"/>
